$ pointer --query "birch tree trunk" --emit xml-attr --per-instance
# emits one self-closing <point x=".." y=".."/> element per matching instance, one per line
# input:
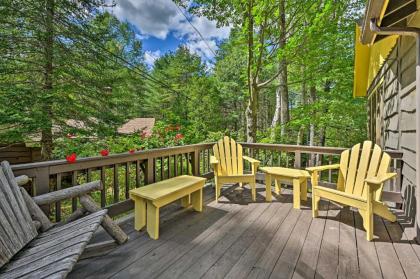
<point x="312" y="93"/>
<point x="304" y="101"/>
<point x="252" y="108"/>
<point x="281" y="113"/>
<point x="46" y="130"/>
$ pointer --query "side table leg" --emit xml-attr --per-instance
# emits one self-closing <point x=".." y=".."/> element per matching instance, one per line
<point x="296" y="193"/>
<point x="152" y="220"/>
<point x="304" y="190"/>
<point x="277" y="185"/>
<point x="139" y="213"/>
<point x="268" y="197"/>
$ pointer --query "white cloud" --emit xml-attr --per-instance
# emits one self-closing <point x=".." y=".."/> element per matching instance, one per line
<point x="151" y="56"/>
<point x="158" y="18"/>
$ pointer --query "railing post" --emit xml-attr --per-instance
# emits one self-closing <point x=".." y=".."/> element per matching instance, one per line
<point x="195" y="162"/>
<point x="149" y="171"/>
<point x="297" y="164"/>
<point x="42" y="185"/>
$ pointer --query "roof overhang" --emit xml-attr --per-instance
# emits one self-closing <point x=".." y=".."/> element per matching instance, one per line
<point x="387" y="13"/>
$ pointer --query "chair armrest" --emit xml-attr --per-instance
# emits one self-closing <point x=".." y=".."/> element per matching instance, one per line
<point x="251" y="160"/>
<point x="322" y="168"/>
<point x="213" y="160"/>
<point x="377" y="181"/>
<point x="22" y="180"/>
<point x="68" y="193"/>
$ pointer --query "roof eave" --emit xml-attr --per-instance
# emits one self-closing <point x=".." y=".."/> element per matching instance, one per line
<point x="374" y="9"/>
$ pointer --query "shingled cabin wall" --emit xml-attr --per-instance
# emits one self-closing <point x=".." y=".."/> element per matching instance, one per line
<point x="19" y="154"/>
<point x="392" y="112"/>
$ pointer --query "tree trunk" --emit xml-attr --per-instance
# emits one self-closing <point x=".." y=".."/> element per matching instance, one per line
<point x="251" y="114"/>
<point x="252" y="108"/>
<point x="46" y="130"/>
<point x="282" y="93"/>
<point x="304" y="101"/>
<point x="312" y="92"/>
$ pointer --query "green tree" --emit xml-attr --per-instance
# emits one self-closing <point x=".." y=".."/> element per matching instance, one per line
<point x="61" y="60"/>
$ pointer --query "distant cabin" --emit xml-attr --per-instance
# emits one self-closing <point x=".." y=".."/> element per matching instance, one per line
<point x="137" y="125"/>
<point x="19" y="153"/>
<point x="385" y="74"/>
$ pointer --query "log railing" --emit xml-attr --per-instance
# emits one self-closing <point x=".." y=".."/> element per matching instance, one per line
<point x="122" y="172"/>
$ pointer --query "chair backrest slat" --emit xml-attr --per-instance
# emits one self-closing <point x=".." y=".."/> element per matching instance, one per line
<point x="230" y="156"/>
<point x="373" y="165"/>
<point x="383" y="169"/>
<point x="228" y="148"/>
<point x="363" y="168"/>
<point x="356" y="166"/>
<point x="352" y="169"/>
<point x="16" y="226"/>
<point x="344" y="166"/>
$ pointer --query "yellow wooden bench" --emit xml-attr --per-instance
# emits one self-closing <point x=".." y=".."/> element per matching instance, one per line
<point x="149" y="199"/>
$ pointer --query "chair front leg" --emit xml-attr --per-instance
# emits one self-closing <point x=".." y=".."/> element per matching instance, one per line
<point x="217" y="187"/>
<point x="315" y="198"/>
<point x="368" y="214"/>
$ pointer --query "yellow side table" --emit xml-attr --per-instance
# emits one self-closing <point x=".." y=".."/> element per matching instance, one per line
<point x="299" y="179"/>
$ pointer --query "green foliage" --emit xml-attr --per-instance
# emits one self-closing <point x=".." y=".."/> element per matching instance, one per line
<point x="98" y="76"/>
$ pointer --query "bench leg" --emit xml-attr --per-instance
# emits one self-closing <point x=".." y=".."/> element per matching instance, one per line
<point x="139" y="213"/>
<point x="152" y="220"/>
<point x="268" y="188"/>
<point x="296" y="193"/>
<point x="186" y="201"/>
<point x="197" y="200"/>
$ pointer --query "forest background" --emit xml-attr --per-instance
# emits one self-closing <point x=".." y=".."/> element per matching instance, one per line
<point x="284" y="75"/>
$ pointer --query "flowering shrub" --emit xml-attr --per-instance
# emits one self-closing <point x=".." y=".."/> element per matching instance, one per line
<point x="163" y="135"/>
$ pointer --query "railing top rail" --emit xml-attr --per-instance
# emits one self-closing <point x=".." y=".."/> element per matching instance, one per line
<point x="309" y="149"/>
<point x="98" y="161"/>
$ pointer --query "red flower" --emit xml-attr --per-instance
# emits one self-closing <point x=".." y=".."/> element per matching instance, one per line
<point x="71" y="158"/>
<point x="179" y="137"/>
<point x="71" y="136"/>
<point x="131" y="151"/>
<point x="104" y="152"/>
<point x="177" y="127"/>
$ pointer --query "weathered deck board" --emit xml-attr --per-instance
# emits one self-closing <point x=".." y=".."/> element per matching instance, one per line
<point x="286" y="263"/>
<point x="308" y="259"/>
<point x="246" y="262"/>
<point x="402" y="246"/>
<point x="240" y="239"/>
<point x="327" y="266"/>
<point x="388" y="259"/>
<point x="348" y="266"/>
<point x="368" y="259"/>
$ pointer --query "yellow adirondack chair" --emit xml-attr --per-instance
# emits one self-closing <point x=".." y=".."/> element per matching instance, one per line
<point x="227" y="164"/>
<point x="359" y="185"/>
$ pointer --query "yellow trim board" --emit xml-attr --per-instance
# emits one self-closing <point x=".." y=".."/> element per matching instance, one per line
<point x="368" y="60"/>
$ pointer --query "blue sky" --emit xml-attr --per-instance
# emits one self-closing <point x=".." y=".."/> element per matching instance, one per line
<point x="162" y="27"/>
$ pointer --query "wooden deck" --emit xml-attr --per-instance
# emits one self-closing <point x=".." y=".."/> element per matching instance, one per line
<point x="239" y="239"/>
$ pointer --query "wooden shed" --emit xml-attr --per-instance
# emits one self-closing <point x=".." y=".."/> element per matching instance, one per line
<point x="385" y="73"/>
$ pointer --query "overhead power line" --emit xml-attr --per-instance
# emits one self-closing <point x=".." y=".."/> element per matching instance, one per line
<point x="196" y="30"/>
